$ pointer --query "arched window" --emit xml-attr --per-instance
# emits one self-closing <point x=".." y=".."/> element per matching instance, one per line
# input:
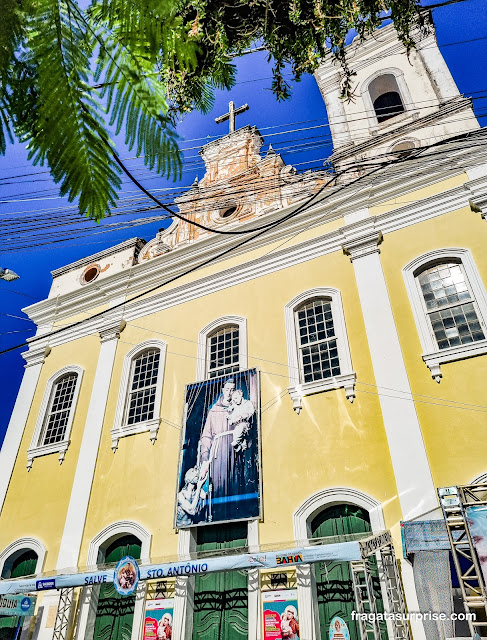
<point x="53" y="427"/>
<point x="318" y="351"/>
<point x="139" y="399"/>
<point x="222" y="351"/>
<point x="386" y="97"/>
<point x="317" y="341"/>
<point x="450" y="306"/>
<point x="222" y="347"/>
<point x="144" y="374"/>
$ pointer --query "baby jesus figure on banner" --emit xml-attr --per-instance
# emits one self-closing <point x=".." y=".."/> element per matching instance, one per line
<point x="239" y="413"/>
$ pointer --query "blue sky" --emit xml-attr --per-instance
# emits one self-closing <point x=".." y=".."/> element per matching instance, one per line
<point x="29" y="249"/>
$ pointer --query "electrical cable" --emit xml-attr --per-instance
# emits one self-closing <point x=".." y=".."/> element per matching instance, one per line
<point x="228" y="250"/>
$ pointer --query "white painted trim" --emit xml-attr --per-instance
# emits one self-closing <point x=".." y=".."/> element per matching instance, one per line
<point x="320" y="500"/>
<point x="403" y="91"/>
<point x="335" y="206"/>
<point x="119" y="430"/>
<point x="214" y="325"/>
<point x="432" y="355"/>
<point x="302" y="517"/>
<point x="36" y="448"/>
<point x="415" y="487"/>
<point x="297" y="388"/>
<point x="85" y="469"/>
<point x="89" y="602"/>
<point x="253" y="584"/>
<point x="16" y="427"/>
<point x="21" y="544"/>
<point x="117" y="530"/>
<point x="481" y="479"/>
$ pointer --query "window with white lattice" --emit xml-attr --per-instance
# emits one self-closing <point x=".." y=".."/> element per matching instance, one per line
<point x="449" y="303"/>
<point x="318" y="351"/>
<point x="55" y="419"/>
<point x="223" y="351"/>
<point x="139" y="402"/>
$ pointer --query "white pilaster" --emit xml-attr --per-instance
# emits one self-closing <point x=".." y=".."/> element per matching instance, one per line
<point x="11" y="444"/>
<point x="414" y="482"/>
<point x="437" y="69"/>
<point x="254" y="584"/>
<point x="184" y="589"/>
<point x="416" y="491"/>
<point x="83" y="479"/>
<point x="329" y="86"/>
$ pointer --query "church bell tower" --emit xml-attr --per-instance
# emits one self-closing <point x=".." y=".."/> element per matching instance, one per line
<point x="399" y="102"/>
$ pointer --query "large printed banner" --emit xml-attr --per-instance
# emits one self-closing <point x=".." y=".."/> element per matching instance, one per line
<point x="280" y="615"/>
<point x="477" y="524"/>
<point x="219" y="473"/>
<point x="158" y="619"/>
<point x="338" y="552"/>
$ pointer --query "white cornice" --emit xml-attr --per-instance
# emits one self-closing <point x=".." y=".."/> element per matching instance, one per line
<point x="143" y="277"/>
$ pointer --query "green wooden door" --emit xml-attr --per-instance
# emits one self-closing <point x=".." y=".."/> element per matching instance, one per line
<point x="115" y="613"/>
<point x="221" y="599"/>
<point x="334" y="579"/>
<point x="23" y="565"/>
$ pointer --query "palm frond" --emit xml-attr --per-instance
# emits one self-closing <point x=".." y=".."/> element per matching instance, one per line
<point x="67" y="129"/>
<point x="135" y="97"/>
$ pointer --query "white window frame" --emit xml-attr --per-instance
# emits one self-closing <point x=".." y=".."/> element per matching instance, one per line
<point x="346" y="380"/>
<point x="24" y="544"/>
<point x="37" y="449"/>
<point x="403" y="92"/>
<point x="120" y="430"/>
<point x="432" y="356"/>
<point x="220" y="323"/>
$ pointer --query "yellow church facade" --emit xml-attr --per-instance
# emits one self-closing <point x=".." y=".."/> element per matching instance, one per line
<point x="359" y="297"/>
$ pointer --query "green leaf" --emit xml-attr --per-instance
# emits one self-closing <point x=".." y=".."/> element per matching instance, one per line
<point x="68" y="131"/>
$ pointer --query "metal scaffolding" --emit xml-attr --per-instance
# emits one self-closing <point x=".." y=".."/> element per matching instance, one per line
<point x="364" y="595"/>
<point x="63" y="615"/>
<point x="455" y="501"/>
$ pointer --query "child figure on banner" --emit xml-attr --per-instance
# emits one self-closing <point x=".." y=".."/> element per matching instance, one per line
<point x="164" y="629"/>
<point x="289" y="624"/>
<point x="191" y="498"/>
<point x="239" y="413"/>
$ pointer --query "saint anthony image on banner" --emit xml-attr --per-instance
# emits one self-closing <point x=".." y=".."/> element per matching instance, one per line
<point x="219" y="476"/>
<point x="280" y="615"/>
<point x="158" y="619"/>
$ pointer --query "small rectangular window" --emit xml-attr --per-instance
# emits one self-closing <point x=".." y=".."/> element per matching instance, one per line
<point x="143" y="382"/>
<point x="223" y="352"/>
<point x="57" y="415"/>
<point x="450" y="305"/>
<point x="318" y="351"/>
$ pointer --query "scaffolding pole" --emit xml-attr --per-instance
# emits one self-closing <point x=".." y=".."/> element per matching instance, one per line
<point x="63" y="614"/>
<point x="454" y="502"/>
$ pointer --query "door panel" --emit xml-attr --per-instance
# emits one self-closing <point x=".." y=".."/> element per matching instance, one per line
<point x="221" y="599"/>
<point x="115" y="613"/>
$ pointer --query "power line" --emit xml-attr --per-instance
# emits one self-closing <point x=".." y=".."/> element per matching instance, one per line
<point x="227" y="251"/>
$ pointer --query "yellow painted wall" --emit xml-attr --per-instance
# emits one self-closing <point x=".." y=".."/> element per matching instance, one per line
<point x="454" y="437"/>
<point x="37" y="501"/>
<point x="331" y="443"/>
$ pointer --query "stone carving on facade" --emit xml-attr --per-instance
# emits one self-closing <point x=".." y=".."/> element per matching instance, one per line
<point x="239" y="184"/>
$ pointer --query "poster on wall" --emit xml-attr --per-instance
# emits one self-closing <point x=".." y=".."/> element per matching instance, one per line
<point x="158" y="619"/>
<point x="338" y="629"/>
<point x="219" y="468"/>
<point x="280" y="615"/>
<point x="477" y="524"/>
